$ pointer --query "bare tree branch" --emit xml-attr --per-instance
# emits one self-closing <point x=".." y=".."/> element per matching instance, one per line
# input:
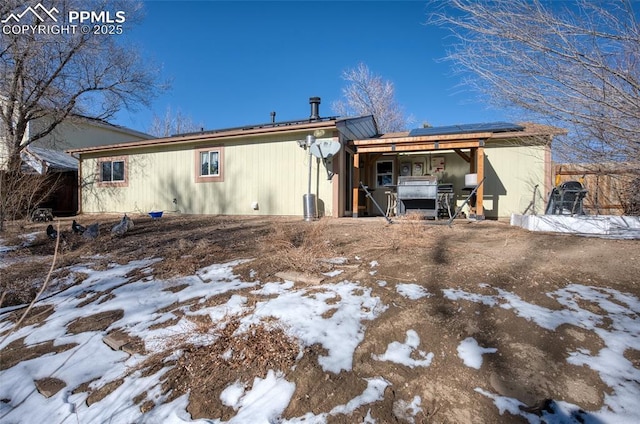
<point x="53" y="76"/>
<point x="571" y="63"/>
<point x="368" y="94"/>
<point x="172" y="123"/>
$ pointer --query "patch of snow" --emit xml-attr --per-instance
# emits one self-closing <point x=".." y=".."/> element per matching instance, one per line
<point x="555" y="412"/>
<point x="274" y="288"/>
<point x="412" y="291"/>
<point x="27" y="238"/>
<point x="400" y="353"/>
<point x="336" y="261"/>
<point x="471" y="353"/>
<point x="333" y="273"/>
<point x="373" y="393"/>
<point x="618" y="327"/>
<point x="314" y="316"/>
<point x="266" y="400"/>
<point x="231" y="395"/>
<point x="407" y="410"/>
<point x="510" y="405"/>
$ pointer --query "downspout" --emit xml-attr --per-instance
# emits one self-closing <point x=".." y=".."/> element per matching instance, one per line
<point x="79" y="211"/>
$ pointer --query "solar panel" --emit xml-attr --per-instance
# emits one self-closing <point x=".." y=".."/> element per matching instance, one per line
<point x="494" y="127"/>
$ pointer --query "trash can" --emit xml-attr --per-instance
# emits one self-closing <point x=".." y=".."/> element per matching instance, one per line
<point x="310" y="207"/>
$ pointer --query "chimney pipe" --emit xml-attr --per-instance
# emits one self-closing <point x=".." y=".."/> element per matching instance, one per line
<point x="273" y="117"/>
<point x="315" y="108"/>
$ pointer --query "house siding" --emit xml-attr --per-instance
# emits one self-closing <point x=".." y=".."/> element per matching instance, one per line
<point x="80" y="133"/>
<point x="511" y="174"/>
<point x="272" y="171"/>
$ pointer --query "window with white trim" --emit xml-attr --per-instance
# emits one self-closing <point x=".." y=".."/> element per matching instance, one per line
<point x="209" y="163"/>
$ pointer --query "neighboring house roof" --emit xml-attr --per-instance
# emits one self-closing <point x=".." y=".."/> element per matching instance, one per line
<point x="104" y="124"/>
<point x="350" y="128"/>
<point x="42" y="160"/>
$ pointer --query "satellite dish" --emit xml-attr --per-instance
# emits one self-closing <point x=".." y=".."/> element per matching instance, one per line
<point x="324" y="149"/>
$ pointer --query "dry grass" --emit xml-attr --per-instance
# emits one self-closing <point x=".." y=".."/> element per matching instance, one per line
<point x="297" y="247"/>
<point x="204" y="371"/>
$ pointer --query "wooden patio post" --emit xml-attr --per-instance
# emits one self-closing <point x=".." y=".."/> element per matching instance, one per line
<point x="479" y="156"/>
<point x="356" y="185"/>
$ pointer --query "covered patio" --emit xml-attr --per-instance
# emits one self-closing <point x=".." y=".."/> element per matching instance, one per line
<point x="447" y="153"/>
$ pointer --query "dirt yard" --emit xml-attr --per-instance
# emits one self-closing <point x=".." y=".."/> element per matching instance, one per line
<point x="464" y="268"/>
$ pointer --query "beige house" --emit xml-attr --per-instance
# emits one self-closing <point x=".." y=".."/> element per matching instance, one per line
<point x="253" y="170"/>
<point x="264" y="169"/>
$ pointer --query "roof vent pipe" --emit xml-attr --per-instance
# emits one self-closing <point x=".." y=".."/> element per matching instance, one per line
<point x="273" y="117"/>
<point x="315" y="108"/>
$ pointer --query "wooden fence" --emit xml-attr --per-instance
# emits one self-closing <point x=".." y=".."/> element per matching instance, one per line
<point x="613" y="189"/>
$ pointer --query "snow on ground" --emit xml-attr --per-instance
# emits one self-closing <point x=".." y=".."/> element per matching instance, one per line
<point x="332" y="315"/>
<point x="373" y="264"/>
<point x="4" y="248"/>
<point x="412" y="291"/>
<point x="618" y="327"/>
<point x="28" y="239"/>
<point x="400" y="353"/>
<point x="471" y="353"/>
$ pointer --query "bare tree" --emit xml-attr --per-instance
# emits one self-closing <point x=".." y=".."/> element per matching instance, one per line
<point x="48" y="75"/>
<point x="368" y="94"/>
<point x="172" y="123"/>
<point x="575" y="63"/>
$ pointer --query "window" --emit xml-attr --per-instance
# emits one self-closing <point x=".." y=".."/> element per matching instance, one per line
<point x="209" y="164"/>
<point x="113" y="171"/>
<point x="384" y="173"/>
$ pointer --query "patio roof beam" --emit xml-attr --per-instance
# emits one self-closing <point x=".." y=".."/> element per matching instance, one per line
<point x="456" y="138"/>
<point x="463" y="155"/>
<point x="415" y="146"/>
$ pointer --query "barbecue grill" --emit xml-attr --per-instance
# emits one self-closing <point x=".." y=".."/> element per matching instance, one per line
<point x="418" y="195"/>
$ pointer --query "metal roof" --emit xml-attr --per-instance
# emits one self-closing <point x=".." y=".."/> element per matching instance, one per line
<point x="494" y="127"/>
<point x="41" y="159"/>
<point x="358" y="127"/>
<point x="258" y="126"/>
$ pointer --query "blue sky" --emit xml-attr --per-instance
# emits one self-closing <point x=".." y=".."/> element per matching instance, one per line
<point x="232" y="63"/>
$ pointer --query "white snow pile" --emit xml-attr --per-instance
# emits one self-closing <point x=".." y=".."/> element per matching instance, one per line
<point x="400" y="353"/>
<point x="412" y="291"/>
<point x="471" y="353"/>
<point x="618" y="327"/>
